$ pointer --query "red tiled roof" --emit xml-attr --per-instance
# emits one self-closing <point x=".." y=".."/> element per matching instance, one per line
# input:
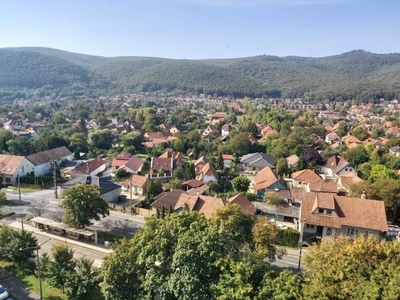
<point x="265" y="178"/>
<point x="352" y="212"/>
<point x="135" y="163"/>
<point x="91" y="166"/>
<point x="245" y="205"/>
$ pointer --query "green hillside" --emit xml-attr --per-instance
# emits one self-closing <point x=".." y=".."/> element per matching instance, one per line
<point x="356" y="75"/>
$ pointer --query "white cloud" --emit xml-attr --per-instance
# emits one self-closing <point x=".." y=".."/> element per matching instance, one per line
<point x="259" y="3"/>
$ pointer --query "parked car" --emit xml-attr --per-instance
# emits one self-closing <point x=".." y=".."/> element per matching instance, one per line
<point x="281" y="226"/>
<point x="3" y="293"/>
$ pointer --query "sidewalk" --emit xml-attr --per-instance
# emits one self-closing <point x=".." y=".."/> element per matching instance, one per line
<point x="16" y="287"/>
<point x="98" y="247"/>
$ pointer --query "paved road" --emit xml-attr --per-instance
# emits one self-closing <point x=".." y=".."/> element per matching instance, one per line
<point x="116" y="220"/>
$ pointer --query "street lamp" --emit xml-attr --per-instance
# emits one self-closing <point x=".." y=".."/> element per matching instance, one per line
<point x="37" y="248"/>
<point x="301" y="243"/>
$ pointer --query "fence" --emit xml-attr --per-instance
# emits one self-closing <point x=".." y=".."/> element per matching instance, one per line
<point x="144" y="212"/>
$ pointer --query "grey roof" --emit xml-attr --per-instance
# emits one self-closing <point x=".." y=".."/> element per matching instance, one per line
<point x="43" y="157"/>
<point x="105" y="185"/>
<point x="258" y="160"/>
<point x="287" y="211"/>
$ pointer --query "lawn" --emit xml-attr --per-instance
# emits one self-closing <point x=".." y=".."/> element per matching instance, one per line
<point x="31" y="281"/>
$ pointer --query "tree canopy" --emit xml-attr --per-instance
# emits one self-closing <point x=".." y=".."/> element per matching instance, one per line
<point x="83" y="203"/>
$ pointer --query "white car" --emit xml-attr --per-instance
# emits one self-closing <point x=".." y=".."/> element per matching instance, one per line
<point x="3" y="293"/>
<point x="282" y="226"/>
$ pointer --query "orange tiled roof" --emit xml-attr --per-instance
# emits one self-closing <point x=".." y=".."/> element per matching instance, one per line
<point x="352" y="212"/>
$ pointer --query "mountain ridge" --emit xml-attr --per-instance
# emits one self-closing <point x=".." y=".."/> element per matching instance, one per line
<point x="357" y="74"/>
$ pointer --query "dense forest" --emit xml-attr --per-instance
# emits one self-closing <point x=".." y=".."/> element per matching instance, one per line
<point x="359" y="75"/>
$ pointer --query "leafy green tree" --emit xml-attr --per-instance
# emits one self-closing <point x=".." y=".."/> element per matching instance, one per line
<point x="84" y="282"/>
<point x="176" y="184"/>
<point x="3" y="199"/>
<point x="273" y="199"/>
<point x="388" y="190"/>
<point x="241" y="184"/>
<point x="5" y="135"/>
<point x="133" y="138"/>
<point x="286" y="286"/>
<point x="239" y="144"/>
<point x="356" y="156"/>
<point x="20" y="146"/>
<point x="187" y="256"/>
<point x="343" y="129"/>
<point x="83" y="203"/>
<point x="78" y="142"/>
<point x="190" y="170"/>
<point x="20" y="241"/>
<point x="121" y="174"/>
<point x="361" y="133"/>
<point x="61" y="265"/>
<point x="6" y="235"/>
<point x="282" y="167"/>
<point x="101" y="139"/>
<point x="379" y="172"/>
<point x="344" y="268"/>
<point x="154" y="188"/>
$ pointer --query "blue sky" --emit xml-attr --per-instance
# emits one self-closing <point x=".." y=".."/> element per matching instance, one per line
<point x="196" y="29"/>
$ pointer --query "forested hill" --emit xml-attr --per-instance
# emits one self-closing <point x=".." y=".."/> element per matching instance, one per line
<point x="359" y="75"/>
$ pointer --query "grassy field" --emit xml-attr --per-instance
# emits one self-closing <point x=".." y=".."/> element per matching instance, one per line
<point x="31" y="281"/>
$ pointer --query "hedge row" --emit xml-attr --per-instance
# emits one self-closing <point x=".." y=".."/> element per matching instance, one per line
<point x="288" y="237"/>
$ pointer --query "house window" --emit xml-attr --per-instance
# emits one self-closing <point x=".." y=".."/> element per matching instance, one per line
<point x="352" y="231"/>
<point x="320" y="211"/>
<point x="367" y="233"/>
<point x="346" y="169"/>
<point x="308" y="226"/>
<point x="328" y="212"/>
<point x="329" y="231"/>
<point x="8" y="179"/>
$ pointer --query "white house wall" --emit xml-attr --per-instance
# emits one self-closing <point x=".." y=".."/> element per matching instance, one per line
<point x="112" y="196"/>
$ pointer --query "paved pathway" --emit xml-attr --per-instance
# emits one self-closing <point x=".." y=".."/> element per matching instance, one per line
<point x="16" y="287"/>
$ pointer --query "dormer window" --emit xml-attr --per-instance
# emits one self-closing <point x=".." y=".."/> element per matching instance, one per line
<point x="328" y="212"/>
<point x="320" y="211"/>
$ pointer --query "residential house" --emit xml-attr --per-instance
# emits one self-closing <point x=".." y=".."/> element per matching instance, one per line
<point x="227" y="128"/>
<point x="178" y="129"/>
<point x="92" y="167"/>
<point x="246" y="206"/>
<point x="255" y="162"/>
<point x="227" y="158"/>
<point x="43" y="161"/>
<point x="301" y="179"/>
<point x="120" y="161"/>
<point x="328" y="215"/>
<point x="207" y="173"/>
<point x="12" y="166"/>
<point x="395" y="150"/>
<point x="138" y="183"/>
<point x="333" y="137"/>
<point x="163" y="166"/>
<point x="266" y="131"/>
<point x="279" y="213"/>
<point x="373" y="142"/>
<point x="395" y="131"/>
<point x="336" y="166"/>
<point x="345" y="181"/>
<point x="351" y="141"/>
<point x="200" y="163"/>
<point x="179" y="201"/>
<point x="134" y="165"/>
<point x="267" y="180"/>
<point x="108" y="189"/>
<point x="292" y="161"/>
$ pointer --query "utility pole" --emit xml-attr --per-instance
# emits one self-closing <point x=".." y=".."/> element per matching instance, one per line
<point x="55" y="178"/>
<point x="19" y="198"/>
<point x="301" y="243"/>
<point x="37" y="248"/>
